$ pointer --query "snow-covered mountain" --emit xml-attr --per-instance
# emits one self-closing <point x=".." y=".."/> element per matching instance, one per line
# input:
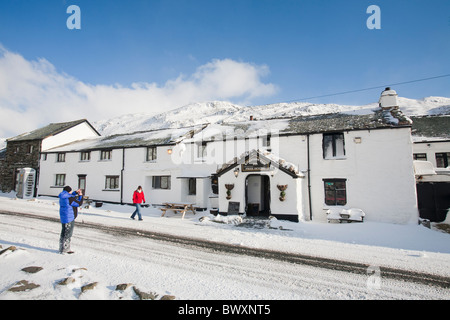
<point x="221" y="111"/>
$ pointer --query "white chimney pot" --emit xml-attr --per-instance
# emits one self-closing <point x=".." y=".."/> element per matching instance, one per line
<point x="388" y="99"/>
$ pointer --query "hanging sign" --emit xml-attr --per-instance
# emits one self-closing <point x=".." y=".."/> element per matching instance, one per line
<point x="255" y="167"/>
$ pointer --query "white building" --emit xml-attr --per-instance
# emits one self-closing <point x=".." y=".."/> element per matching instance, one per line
<point x="432" y="166"/>
<point x="294" y="168"/>
<point x="23" y="152"/>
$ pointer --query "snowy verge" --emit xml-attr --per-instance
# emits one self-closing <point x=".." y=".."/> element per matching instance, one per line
<point x="409" y="247"/>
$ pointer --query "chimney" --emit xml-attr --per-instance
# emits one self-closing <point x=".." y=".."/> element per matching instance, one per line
<point x="390" y="109"/>
<point x="388" y="99"/>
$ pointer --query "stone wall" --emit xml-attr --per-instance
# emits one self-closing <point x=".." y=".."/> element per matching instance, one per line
<point x="19" y="154"/>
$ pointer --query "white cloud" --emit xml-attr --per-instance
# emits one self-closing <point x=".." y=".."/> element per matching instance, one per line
<point x="34" y="93"/>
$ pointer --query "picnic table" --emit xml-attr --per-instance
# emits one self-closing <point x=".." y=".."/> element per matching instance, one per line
<point x="177" y="207"/>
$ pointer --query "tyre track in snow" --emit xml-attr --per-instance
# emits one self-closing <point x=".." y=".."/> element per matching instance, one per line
<point x="216" y="247"/>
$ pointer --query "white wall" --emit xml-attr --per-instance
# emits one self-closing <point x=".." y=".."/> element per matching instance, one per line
<point x="95" y="170"/>
<point x="379" y="173"/>
<point x="292" y="205"/>
<point x="431" y="148"/>
<point x="78" y="132"/>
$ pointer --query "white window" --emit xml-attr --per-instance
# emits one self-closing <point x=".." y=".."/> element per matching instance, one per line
<point x="61" y="157"/>
<point x="201" y="151"/>
<point x="335" y="192"/>
<point x="106" y="155"/>
<point x="85" y="156"/>
<point x="333" y="146"/>
<point x="151" y="154"/>
<point x="60" y="180"/>
<point x="112" y="182"/>
<point x="161" y="182"/>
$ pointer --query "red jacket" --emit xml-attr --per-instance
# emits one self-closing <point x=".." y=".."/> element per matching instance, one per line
<point x="138" y="197"/>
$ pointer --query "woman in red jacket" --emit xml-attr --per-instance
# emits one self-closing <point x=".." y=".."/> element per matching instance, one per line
<point x="138" y="198"/>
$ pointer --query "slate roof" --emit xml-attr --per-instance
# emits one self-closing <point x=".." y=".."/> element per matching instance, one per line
<point x="263" y="157"/>
<point x="431" y="126"/>
<point x="245" y="129"/>
<point x="341" y="122"/>
<point x="320" y="123"/>
<point x="50" y="130"/>
<point x="130" y="140"/>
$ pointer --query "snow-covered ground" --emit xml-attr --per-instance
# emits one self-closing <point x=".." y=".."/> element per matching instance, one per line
<point x="167" y="270"/>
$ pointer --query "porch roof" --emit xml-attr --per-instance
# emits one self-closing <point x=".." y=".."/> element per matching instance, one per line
<point x="264" y="157"/>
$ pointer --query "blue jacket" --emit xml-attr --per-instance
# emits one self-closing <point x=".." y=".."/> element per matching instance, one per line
<point x="65" y="209"/>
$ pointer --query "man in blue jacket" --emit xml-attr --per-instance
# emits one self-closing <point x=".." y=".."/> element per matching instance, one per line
<point x="66" y="214"/>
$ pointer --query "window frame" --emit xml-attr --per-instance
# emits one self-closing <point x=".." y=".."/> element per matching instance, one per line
<point x="60" y="180"/>
<point x="112" y="182"/>
<point x="192" y="186"/>
<point x="442" y="159"/>
<point x="420" y="156"/>
<point x="152" y="154"/>
<point x="161" y="182"/>
<point x="61" y="157"/>
<point x="202" y="151"/>
<point x="335" y="200"/>
<point x="106" y="155"/>
<point x="85" y="156"/>
<point x="335" y="148"/>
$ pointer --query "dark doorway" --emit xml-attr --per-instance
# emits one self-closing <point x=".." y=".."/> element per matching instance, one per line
<point x="82" y="183"/>
<point x="433" y="200"/>
<point x="257" y="195"/>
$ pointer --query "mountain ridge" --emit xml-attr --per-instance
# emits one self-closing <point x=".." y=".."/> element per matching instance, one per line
<point x="223" y="111"/>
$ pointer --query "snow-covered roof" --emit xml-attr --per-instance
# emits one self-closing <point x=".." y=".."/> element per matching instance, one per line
<point x="431" y="127"/>
<point x="137" y="139"/>
<point x="264" y="157"/>
<point x="49" y="130"/>
<point x="423" y="168"/>
<point x="245" y="129"/>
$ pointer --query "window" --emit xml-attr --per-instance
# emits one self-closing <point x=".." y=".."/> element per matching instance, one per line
<point x="61" y="157"/>
<point x="112" y="182"/>
<point x="151" y="153"/>
<point x="420" y="156"/>
<point x="215" y="184"/>
<point x="335" y="192"/>
<point x="266" y="142"/>
<point x="60" y="180"/>
<point x="44" y="157"/>
<point x="85" y="156"/>
<point x="333" y="146"/>
<point x="106" y="155"/>
<point x="161" y="182"/>
<point x="30" y="149"/>
<point x="201" y="151"/>
<point x="192" y="186"/>
<point x="442" y="159"/>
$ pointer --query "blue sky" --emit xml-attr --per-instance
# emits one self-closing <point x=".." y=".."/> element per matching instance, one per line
<point x="288" y="49"/>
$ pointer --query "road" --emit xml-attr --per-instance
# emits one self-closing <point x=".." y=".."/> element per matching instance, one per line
<point x="203" y="270"/>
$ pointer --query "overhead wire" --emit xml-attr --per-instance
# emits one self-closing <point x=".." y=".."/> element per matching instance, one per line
<point x="371" y="88"/>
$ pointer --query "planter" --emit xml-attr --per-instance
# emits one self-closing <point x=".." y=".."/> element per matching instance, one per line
<point x="282" y="188"/>
<point x="229" y="187"/>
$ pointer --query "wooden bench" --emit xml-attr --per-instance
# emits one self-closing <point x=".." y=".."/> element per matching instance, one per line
<point x="177" y="208"/>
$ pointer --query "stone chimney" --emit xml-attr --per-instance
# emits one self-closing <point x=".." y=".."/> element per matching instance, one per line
<point x="388" y="99"/>
<point x="390" y="110"/>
